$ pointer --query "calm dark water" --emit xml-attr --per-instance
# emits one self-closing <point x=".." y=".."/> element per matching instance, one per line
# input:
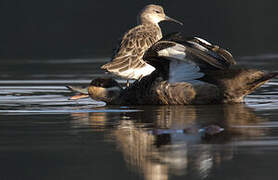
<point x="43" y="135"/>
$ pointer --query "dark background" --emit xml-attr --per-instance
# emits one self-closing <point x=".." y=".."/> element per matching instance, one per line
<point x="89" y="28"/>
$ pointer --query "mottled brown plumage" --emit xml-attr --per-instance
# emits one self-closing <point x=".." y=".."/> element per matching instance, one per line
<point x="132" y="48"/>
<point x="128" y="61"/>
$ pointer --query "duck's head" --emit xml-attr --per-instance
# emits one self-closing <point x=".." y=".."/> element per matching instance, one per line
<point x="154" y="14"/>
<point x="104" y="89"/>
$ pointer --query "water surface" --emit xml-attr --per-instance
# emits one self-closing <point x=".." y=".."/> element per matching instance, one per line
<point x="43" y="135"/>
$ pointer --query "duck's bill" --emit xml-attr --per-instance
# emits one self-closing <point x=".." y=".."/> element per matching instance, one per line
<point x="167" y="18"/>
<point x="79" y="96"/>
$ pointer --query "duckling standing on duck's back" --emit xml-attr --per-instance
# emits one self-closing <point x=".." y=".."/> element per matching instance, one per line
<point x="127" y="61"/>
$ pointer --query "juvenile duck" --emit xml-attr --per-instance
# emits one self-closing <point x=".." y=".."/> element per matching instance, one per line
<point x="187" y="71"/>
<point x="127" y="62"/>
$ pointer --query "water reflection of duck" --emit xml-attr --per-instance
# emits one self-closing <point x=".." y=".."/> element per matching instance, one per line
<point x="159" y="156"/>
<point x="187" y="71"/>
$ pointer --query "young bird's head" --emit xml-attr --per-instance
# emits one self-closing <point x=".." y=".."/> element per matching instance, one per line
<point x="154" y="14"/>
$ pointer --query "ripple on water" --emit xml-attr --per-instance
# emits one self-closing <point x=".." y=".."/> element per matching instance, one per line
<point x="265" y="98"/>
<point x="45" y="100"/>
<point x="36" y="96"/>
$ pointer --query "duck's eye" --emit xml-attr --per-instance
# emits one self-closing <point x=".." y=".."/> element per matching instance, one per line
<point x="157" y="11"/>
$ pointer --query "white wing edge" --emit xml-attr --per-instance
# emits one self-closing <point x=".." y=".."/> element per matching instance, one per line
<point x="135" y="73"/>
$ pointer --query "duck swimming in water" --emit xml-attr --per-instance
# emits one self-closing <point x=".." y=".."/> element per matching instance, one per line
<point x="187" y="71"/>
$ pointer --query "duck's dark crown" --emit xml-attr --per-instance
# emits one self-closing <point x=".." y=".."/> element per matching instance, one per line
<point x="104" y="83"/>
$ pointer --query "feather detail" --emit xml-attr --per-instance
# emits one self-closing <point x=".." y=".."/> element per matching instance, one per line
<point x="181" y="71"/>
<point x="128" y="60"/>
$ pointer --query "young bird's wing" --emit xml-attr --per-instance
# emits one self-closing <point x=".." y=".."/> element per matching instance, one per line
<point x="128" y="61"/>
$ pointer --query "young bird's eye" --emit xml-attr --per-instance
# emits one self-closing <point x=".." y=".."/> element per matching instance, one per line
<point x="157" y="11"/>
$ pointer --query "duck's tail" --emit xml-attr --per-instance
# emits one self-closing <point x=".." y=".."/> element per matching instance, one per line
<point x="236" y="83"/>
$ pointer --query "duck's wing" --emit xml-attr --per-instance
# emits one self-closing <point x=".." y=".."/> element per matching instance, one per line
<point x="196" y="50"/>
<point x="202" y="51"/>
<point x="214" y="55"/>
<point x="188" y="60"/>
<point x="170" y="58"/>
<point x="128" y="61"/>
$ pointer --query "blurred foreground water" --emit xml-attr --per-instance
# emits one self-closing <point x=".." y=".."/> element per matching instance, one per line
<point x="43" y="135"/>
